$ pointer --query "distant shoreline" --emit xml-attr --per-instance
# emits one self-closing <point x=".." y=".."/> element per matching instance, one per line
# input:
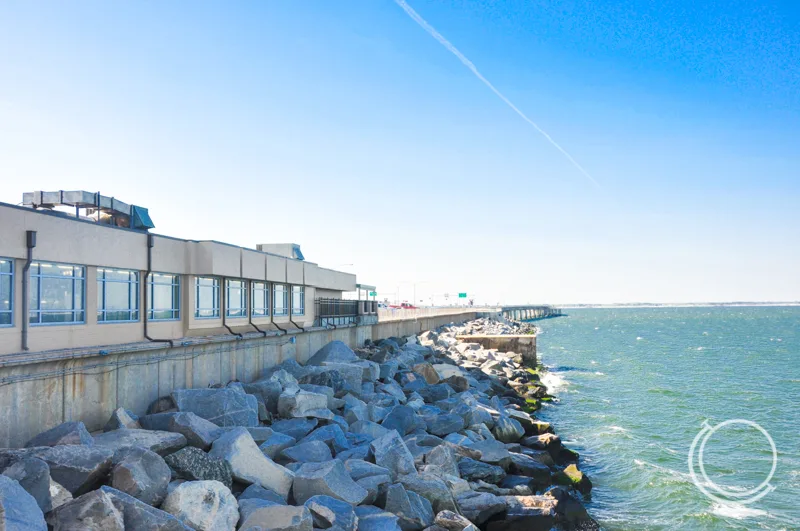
<point x="680" y="305"/>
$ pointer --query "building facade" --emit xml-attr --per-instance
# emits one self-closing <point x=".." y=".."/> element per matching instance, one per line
<point x="68" y="283"/>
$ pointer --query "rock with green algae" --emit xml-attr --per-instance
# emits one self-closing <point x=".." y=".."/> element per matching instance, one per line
<point x="572" y="477"/>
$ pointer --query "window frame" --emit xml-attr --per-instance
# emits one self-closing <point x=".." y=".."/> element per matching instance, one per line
<point x="39" y="312"/>
<point x="132" y="311"/>
<point x="267" y="299"/>
<point x="240" y="313"/>
<point x="10" y="310"/>
<point x="150" y="285"/>
<point x="215" y="296"/>
<point x="302" y="291"/>
<point x="285" y="310"/>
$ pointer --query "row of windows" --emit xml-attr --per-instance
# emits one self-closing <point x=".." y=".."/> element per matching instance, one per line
<point x="57" y="294"/>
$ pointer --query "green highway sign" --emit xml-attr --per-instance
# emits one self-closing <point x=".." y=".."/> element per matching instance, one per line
<point x="462" y="295"/>
<point x="373" y="293"/>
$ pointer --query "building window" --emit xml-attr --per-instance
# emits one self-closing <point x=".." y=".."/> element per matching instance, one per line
<point x="259" y="306"/>
<point x="206" y="304"/>
<point x="6" y="292"/>
<point x="235" y="298"/>
<point x="117" y="295"/>
<point x="298" y="300"/>
<point x="164" y="297"/>
<point x="57" y="293"/>
<point x="280" y="300"/>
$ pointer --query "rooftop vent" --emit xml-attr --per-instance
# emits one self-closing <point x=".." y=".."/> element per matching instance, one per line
<point x="99" y="208"/>
<point x="289" y="250"/>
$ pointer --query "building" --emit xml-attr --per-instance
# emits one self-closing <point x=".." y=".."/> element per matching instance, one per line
<point x="98" y="277"/>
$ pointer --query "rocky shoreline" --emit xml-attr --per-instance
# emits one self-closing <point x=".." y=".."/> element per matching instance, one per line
<point x="418" y="433"/>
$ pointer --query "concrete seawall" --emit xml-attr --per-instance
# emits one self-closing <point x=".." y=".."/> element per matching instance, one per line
<point x="520" y="344"/>
<point x="41" y="390"/>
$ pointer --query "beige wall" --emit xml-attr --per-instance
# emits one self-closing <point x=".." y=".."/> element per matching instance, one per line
<point x="64" y="240"/>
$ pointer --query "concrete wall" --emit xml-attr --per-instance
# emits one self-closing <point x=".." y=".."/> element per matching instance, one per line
<point x="520" y="344"/>
<point x="38" y="393"/>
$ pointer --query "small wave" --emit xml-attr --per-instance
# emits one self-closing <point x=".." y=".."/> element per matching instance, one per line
<point x="597" y="328"/>
<point x="593" y="362"/>
<point x="617" y="428"/>
<point x="598" y="373"/>
<point x="639" y="338"/>
<point x="701" y="348"/>
<point x="736" y="511"/>
<point x="554" y="382"/>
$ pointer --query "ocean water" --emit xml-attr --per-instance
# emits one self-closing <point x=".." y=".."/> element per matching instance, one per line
<point x="634" y="388"/>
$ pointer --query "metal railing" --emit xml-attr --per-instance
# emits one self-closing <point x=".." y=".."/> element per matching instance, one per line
<point x="338" y="312"/>
<point x="400" y="314"/>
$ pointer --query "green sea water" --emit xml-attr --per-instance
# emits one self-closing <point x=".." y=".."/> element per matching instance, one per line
<point x="634" y="387"/>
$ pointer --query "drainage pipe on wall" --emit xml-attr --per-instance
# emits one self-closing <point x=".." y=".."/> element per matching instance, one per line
<point x="291" y="297"/>
<point x="151" y="241"/>
<point x="30" y="242"/>
<point x="223" y="307"/>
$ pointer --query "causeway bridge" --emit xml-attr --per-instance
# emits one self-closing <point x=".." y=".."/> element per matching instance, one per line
<point x="529" y="313"/>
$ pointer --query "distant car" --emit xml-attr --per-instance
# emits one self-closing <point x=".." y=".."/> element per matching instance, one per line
<point x="403" y="306"/>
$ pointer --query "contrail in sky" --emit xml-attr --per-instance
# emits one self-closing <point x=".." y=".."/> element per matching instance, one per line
<point x="461" y="57"/>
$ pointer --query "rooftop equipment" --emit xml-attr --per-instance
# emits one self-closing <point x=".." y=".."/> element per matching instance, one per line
<point x="98" y="208"/>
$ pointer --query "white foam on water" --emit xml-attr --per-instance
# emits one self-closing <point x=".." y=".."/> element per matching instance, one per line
<point x="617" y="428"/>
<point x="701" y="348"/>
<point x="598" y="373"/>
<point x="736" y="510"/>
<point x="593" y="362"/>
<point x="554" y="382"/>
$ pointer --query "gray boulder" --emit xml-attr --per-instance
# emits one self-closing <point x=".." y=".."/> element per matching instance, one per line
<point x="446" y="424"/>
<point x="18" y="509"/>
<point x="358" y="468"/>
<point x="198" y="431"/>
<point x="472" y="470"/>
<point x="33" y="475"/>
<point x="276" y="443"/>
<point x="269" y="390"/>
<point x="308" y="452"/>
<point x="157" y="421"/>
<point x="371" y="429"/>
<point x="375" y="486"/>
<point x="371" y="518"/>
<point x="277" y="518"/>
<point x="297" y="403"/>
<point x="433" y="393"/>
<point x="160" y="442"/>
<point x="141" y="473"/>
<point x="480" y="506"/>
<point x="249" y="464"/>
<point x="492" y="452"/>
<point x="122" y="419"/>
<point x="400" y="418"/>
<point x="432" y="489"/>
<point x="193" y="464"/>
<point x="332" y="435"/>
<point x="257" y="492"/>
<point x="78" y="468"/>
<point x="391" y="452"/>
<point x="295" y="428"/>
<point x="223" y="407"/>
<point x="203" y="505"/>
<point x="335" y="351"/>
<point x="525" y="513"/>
<point x="451" y="521"/>
<point x="444" y="459"/>
<point x="414" y="512"/>
<point x="508" y="430"/>
<point x="528" y="466"/>
<point x="427" y="371"/>
<point x="68" y="433"/>
<point x="329" y="478"/>
<point x="330" y="513"/>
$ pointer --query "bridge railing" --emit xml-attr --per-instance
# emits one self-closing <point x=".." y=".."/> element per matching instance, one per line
<point x="401" y="314"/>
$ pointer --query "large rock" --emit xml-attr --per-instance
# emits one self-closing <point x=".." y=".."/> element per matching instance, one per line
<point x="444" y="459"/>
<point x="335" y="351"/>
<point x="269" y="390"/>
<point x="160" y="442"/>
<point x="571" y="511"/>
<point x="374" y="485"/>
<point x="277" y="518"/>
<point x="431" y="488"/>
<point x="68" y="433"/>
<point x="391" y="452"/>
<point x="276" y="443"/>
<point x="193" y="464"/>
<point x="427" y="371"/>
<point x="18" y="509"/>
<point x="414" y="512"/>
<point x="33" y="475"/>
<point x="203" y="505"/>
<point x="492" y="452"/>
<point x="371" y="518"/>
<point x="308" y="452"/>
<point x="158" y="421"/>
<point x="446" y="424"/>
<point x="141" y="473"/>
<point x="295" y="428"/>
<point x="528" y="466"/>
<point x="198" y="431"/>
<point x="433" y="393"/>
<point x="257" y="492"/>
<point x="109" y="509"/>
<point x="480" y="506"/>
<point x="249" y="464"/>
<point x="572" y="477"/>
<point x="78" y="468"/>
<point x="525" y="513"/>
<point x="508" y="430"/>
<point x="332" y="435"/>
<point x="330" y="513"/>
<point x="296" y="403"/>
<point x="400" y="418"/>
<point x="120" y="419"/>
<point x="451" y="521"/>
<point x="329" y="478"/>
<point x="472" y="470"/>
<point x="223" y="407"/>
<point x="358" y="468"/>
<point x="371" y="429"/>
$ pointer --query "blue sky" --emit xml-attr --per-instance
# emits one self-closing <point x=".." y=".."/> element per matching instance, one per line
<point x="345" y="127"/>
